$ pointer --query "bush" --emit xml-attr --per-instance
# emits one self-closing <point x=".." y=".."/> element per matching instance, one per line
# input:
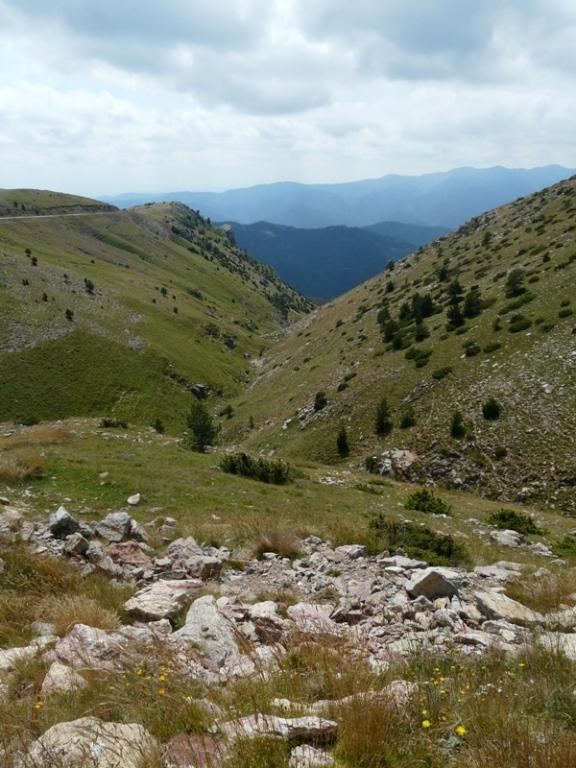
<point x="158" y="426"/>
<point x="508" y="519"/>
<point x="113" y="424"/>
<point x="408" y="418"/>
<point x="383" y="422"/>
<point x="19" y="465"/>
<point x="441" y="373"/>
<point x="457" y="426"/>
<point x="202" y="430"/>
<point x="342" y="444"/>
<point x="426" y="501"/>
<point x="320" y="401"/>
<point x="372" y="464"/>
<point x="419" y="542"/>
<point x="491" y="409"/>
<point x="275" y="472"/>
<point x="282" y="542"/>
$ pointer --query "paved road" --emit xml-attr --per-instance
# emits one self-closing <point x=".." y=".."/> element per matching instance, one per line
<point x="57" y="215"/>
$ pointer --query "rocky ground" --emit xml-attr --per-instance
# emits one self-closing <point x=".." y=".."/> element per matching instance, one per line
<point x="217" y="617"/>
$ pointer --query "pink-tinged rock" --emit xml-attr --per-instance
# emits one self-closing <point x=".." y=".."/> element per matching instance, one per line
<point x="162" y="600"/>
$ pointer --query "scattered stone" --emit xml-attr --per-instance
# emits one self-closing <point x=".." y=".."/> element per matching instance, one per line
<point x="134" y="500"/>
<point x="115" y="527"/>
<point x="12" y="657"/>
<point x="353" y="551"/>
<point x="507" y="538"/>
<point x="76" y="544"/>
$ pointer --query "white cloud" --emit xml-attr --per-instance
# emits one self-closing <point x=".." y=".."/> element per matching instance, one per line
<point x="104" y="97"/>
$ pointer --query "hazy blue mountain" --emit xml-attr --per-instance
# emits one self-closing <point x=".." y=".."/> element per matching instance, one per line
<point x="436" y="199"/>
<point x="415" y="234"/>
<point x="321" y="263"/>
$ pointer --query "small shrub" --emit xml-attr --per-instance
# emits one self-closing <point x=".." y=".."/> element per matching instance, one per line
<point x="158" y="426"/>
<point x="419" y="542"/>
<point x="457" y="426"/>
<point x="275" y="472"/>
<point x="17" y="466"/>
<point x="472" y="349"/>
<point x="441" y="373"/>
<point x="342" y="444"/>
<point x="113" y="424"/>
<point x="372" y="465"/>
<point x="408" y="418"/>
<point x="426" y="501"/>
<point x="508" y="519"/>
<point x="320" y="401"/>
<point x="202" y="431"/>
<point x="383" y="422"/>
<point x="493" y="346"/>
<point x="491" y="409"/>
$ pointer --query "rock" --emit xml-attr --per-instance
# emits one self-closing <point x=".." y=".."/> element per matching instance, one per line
<point x="495" y="605"/>
<point x="162" y="600"/>
<point x="298" y="730"/>
<point x="209" y="630"/>
<point x="203" y="567"/>
<point x="60" y="679"/>
<point x="564" y="643"/>
<point x="90" y="741"/>
<point x="353" y="551"/>
<point x="115" y="527"/>
<point x="507" y="538"/>
<point x="134" y="500"/>
<point x="12" y="657"/>
<point x="306" y="756"/>
<point x="313" y="618"/>
<point x="10" y="524"/>
<point x="182" y="549"/>
<point x="129" y="553"/>
<point x="61" y="524"/>
<point x="76" y="544"/>
<point x="404" y="563"/>
<point x="433" y="583"/>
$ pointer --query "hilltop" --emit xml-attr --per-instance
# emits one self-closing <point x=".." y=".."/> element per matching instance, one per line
<point x="484" y="313"/>
<point x="124" y="313"/>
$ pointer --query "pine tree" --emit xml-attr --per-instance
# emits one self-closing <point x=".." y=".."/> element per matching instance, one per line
<point x="201" y="428"/>
<point x="320" y="401"/>
<point x="515" y="283"/>
<point x="383" y="422"/>
<point x="491" y="409"/>
<point x="342" y="445"/>
<point x="472" y="303"/>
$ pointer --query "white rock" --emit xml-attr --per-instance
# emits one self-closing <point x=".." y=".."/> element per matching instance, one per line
<point x="207" y="628"/>
<point x="134" y="500"/>
<point x="91" y="742"/>
<point x="495" y="605"/>
<point x="306" y="756"/>
<point x="162" y="600"/>
<point x="60" y="679"/>
<point x="507" y="538"/>
<point x="12" y="657"/>
<point x="297" y="729"/>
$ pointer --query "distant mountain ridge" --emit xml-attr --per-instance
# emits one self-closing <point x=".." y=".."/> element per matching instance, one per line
<point x="436" y="199"/>
<point x="326" y="262"/>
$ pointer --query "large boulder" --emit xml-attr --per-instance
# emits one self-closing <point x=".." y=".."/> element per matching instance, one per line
<point x="91" y="742"/>
<point x="162" y="600"/>
<point x="12" y="657"/>
<point x="118" y="526"/>
<point x="433" y="583"/>
<point x="211" y="632"/>
<point x="496" y="605"/>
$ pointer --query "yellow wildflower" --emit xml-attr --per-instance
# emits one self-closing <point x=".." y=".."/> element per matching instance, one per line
<point x="460" y="730"/>
<point x="426" y="723"/>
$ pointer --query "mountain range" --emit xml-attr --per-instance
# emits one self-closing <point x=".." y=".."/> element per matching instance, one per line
<point x="445" y="199"/>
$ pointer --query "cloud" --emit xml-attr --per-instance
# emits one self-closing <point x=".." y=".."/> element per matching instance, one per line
<point x="214" y="93"/>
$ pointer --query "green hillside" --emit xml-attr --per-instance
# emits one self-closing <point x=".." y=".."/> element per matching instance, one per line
<point x="122" y="313"/>
<point x="30" y="202"/>
<point x="507" y="280"/>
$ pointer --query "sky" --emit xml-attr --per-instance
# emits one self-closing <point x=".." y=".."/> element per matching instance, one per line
<point x="100" y="97"/>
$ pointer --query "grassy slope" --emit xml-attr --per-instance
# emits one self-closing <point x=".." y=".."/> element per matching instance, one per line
<point x="532" y="374"/>
<point x="22" y="202"/>
<point x="113" y="356"/>
<point x="224" y="509"/>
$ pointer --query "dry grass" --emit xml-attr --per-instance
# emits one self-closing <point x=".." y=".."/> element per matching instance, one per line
<point x="66" y="611"/>
<point x="282" y="542"/>
<point x="43" y="434"/>
<point x="545" y="591"/>
<point x="19" y="465"/>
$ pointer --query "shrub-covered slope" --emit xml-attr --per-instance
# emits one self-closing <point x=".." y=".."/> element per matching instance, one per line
<point x="481" y="323"/>
<point x="122" y="312"/>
